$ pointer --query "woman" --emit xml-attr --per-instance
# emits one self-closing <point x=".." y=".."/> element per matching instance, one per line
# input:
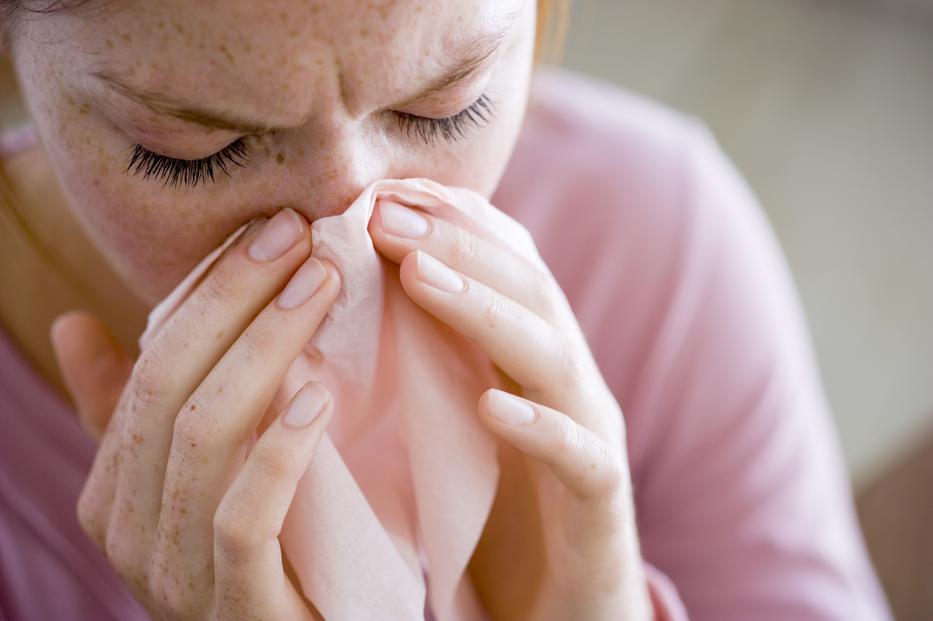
<point x="162" y="127"/>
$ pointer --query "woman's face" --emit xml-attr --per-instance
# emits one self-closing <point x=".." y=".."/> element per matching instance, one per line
<point x="315" y="98"/>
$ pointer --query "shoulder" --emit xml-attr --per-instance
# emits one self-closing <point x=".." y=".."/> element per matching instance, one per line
<point x="665" y="255"/>
<point x="628" y="198"/>
<point x="629" y="174"/>
<point x="593" y="117"/>
<point x="584" y="134"/>
<point x="690" y="310"/>
<point x="655" y="237"/>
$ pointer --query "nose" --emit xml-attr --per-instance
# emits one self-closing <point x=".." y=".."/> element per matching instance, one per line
<point x="337" y="171"/>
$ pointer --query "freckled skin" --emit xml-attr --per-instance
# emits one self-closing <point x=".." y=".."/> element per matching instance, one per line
<point x="331" y="71"/>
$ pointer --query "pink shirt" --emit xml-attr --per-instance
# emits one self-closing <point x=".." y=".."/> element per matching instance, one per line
<point x="744" y="507"/>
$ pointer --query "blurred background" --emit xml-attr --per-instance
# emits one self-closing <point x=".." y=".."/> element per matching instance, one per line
<point x="826" y="106"/>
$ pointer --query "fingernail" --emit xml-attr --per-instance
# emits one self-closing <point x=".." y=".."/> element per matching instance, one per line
<point x="438" y="275"/>
<point x="277" y="236"/>
<point x="244" y="237"/>
<point x="401" y="221"/>
<point x="303" y="284"/>
<point x="253" y="227"/>
<point x="510" y="409"/>
<point x="306" y="406"/>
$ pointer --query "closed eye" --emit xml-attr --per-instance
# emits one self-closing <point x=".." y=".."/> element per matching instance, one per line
<point x="451" y="128"/>
<point x="175" y="172"/>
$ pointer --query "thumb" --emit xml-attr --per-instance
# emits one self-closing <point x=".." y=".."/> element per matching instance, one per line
<point x="94" y="366"/>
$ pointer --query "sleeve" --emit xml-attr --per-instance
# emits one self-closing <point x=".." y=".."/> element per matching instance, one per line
<point x="744" y="506"/>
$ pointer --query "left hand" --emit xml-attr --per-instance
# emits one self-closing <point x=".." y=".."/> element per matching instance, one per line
<point x="566" y="425"/>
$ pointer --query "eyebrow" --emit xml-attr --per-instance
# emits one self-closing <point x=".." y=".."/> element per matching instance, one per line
<point x="475" y="56"/>
<point x="162" y="104"/>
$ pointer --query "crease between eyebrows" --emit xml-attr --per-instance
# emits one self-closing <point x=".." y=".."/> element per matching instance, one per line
<point x="475" y="56"/>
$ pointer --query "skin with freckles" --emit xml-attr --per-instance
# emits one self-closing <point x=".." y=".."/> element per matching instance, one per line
<point x="329" y="76"/>
<point x="304" y="104"/>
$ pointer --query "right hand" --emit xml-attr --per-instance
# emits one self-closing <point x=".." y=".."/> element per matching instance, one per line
<point x="184" y="515"/>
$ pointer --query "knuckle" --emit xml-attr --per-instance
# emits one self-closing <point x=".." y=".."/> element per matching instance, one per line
<point x="121" y="554"/>
<point x="273" y="465"/>
<point x="570" y="367"/>
<point x="601" y="473"/>
<point x="175" y="601"/>
<point x="193" y="430"/>
<point x="89" y="517"/>
<point x="496" y="310"/>
<point x="255" y="342"/>
<point x="569" y="438"/>
<point x="464" y="247"/>
<point x="148" y="378"/>
<point x="234" y="535"/>
<point x="548" y="297"/>
<point x="606" y="482"/>
<point x="612" y="474"/>
<point x="224" y="284"/>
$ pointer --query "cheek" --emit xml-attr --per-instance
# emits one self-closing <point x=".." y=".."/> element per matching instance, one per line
<point x="150" y="238"/>
<point x="479" y="161"/>
<point x="153" y="236"/>
<point x="146" y="244"/>
<point x="482" y="159"/>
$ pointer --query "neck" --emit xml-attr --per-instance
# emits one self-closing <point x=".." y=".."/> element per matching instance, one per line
<point x="47" y="265"/>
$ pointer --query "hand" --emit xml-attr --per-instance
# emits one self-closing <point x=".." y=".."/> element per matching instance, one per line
<point x="567" y="548"/>
<point x="185" y="516"/>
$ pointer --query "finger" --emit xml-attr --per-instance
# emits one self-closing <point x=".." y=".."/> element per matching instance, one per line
<point x="182" y="353"/>
<point x="94" y="366"/>
<point x="226" y="408"/>
<point x="96" y="499"/>
<point x="576" y="456"/>
<point x="397" y="230"/>
<point x="250" y="581"/>
<point x="95" y="369"/>
<point x="536" y="354"/>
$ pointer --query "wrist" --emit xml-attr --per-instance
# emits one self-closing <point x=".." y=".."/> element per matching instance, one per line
<point x="616" y="607"/>
<point x="615" y="587"/>
<point x="629" y="601"/>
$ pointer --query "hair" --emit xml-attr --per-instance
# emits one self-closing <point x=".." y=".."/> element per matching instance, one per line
<point x="553" y="22"/>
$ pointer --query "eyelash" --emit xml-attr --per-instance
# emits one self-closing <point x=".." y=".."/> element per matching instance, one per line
<point x="451" y="128"/>
<point x="175" y="172"/>
<point x="189" y="173"/>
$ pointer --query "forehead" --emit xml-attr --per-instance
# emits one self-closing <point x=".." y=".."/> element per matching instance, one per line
<point x="289" y="54"/>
